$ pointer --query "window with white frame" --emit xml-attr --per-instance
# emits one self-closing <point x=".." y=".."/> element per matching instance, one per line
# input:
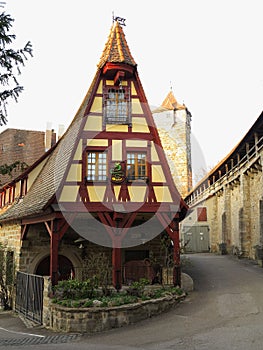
<point x="96" y="166"/>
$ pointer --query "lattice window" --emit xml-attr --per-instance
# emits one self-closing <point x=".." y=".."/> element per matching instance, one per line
<point x="136" y="166"/>
<point x="117" y="106"/>
<point x="96" y="166"/>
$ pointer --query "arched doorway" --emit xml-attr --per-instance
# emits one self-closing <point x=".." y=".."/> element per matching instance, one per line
<point x="65" y="268"/>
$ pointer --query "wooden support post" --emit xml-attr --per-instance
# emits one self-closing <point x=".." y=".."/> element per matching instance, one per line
<point x="54" y="241"/>
<point x="177" y="262"/>
<point x="116" y="268"/>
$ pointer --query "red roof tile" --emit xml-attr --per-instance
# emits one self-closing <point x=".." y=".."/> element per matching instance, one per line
<point x="116" y="48"/>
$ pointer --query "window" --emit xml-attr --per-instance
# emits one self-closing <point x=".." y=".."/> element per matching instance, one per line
<point x="96" y="166"/>
<point x="116" y="106"/>
<point x="136" y="166"/>
<point x="201" y="214"/>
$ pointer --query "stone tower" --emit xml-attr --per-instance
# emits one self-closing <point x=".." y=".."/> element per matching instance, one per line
<point x="173" y="122"/>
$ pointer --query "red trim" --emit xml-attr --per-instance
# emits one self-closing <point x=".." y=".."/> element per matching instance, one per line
<point x="111" y="68"/>
<point x="118" y="77"/>
<point x="94" y="207"/>
<point x="24" y="230"/>
<point x="116" y="268"/>
<point x="42" y="218"/>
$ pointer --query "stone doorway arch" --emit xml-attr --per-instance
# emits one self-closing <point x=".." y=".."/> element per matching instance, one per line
<point x="65" y="267"/>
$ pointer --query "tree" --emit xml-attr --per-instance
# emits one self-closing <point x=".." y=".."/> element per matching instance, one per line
<point x="10" y="62"/>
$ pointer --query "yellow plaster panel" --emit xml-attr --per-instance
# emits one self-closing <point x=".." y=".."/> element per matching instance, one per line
<point x="136" y="143"/>
<point x="69" y="194"/>
<point x="97" y="105"/>
<point x="17" y="189"/>
<point x="117" y="191"/>
<point x="136" y="106"/>
<point x="137" y="193"/>
<point x="99" y="91"/>
<point x="93" y="123"/>
<point x="154" y="154"/>
<point x="118" y="128"/>
<point x="96" y="193"/>
<point x="97" y="142"/>
<point x="116" y="149"/>
<point x="74" y="173"/>
<point x="162" y="194"/>
<point x="139" y="125"/>
<point x="109" y="82"/>
<point x="158" y="174"/>
<point x="78" y="153"/>
<point x="133" y="90"/>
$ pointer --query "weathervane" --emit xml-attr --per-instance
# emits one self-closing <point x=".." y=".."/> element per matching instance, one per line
<point x="118" y="19"/>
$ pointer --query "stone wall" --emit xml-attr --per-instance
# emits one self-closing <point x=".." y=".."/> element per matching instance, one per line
<point x="10" y="235"/>
<point x="92" y="320"/>
<point x="233" y="207"/>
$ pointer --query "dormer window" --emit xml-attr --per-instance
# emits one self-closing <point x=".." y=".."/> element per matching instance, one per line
<point x="116" y="105"/>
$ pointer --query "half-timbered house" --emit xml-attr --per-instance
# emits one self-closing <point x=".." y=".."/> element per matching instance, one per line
<point x="105" y="186"/>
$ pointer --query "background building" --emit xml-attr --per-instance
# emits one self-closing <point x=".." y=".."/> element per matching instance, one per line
<point x="173" y="122"/>
<point x="232" y="193"/>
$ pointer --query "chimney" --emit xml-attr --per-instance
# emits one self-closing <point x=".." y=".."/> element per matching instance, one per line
<point x="61" y="129"/>
<point x="53" y="138"/>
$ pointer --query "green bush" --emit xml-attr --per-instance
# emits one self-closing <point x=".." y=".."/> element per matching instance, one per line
<point x="73" y="289"/>
<point x="82" y="294"/>
<point x="137" y="288"/>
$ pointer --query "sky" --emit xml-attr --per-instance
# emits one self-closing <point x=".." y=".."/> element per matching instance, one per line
<point x="209" y="52"/>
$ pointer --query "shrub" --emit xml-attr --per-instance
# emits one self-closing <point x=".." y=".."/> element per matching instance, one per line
<point x="73" y="289"/>
<point x="137" y="288"/>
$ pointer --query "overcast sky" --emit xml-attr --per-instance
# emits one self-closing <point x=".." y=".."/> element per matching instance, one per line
<point x="209" y="51"/>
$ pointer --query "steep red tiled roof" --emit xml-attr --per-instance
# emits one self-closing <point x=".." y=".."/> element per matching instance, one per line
<point x="116" y="48"/>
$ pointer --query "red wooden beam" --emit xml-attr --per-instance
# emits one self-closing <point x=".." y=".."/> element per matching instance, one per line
<point x="41" y="218"/>
<point x="24" y="230"/>
<point x="117" y="266"/>
<point x="54" y="242"/>
<point x="172" y="229"/>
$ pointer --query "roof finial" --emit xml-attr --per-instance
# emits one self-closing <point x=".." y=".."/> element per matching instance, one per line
<point x="171" y="87"/>
<point x="118" y="19"/>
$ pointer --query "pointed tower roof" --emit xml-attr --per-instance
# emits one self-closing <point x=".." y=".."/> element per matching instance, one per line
<point x="169" y="104"/>
<point x="116" y="48"/>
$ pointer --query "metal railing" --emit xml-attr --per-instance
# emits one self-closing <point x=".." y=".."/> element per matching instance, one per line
<point x="29" y="296"/>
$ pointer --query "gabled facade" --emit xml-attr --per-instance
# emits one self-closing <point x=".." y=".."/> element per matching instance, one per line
<point x="106" y="182"/>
